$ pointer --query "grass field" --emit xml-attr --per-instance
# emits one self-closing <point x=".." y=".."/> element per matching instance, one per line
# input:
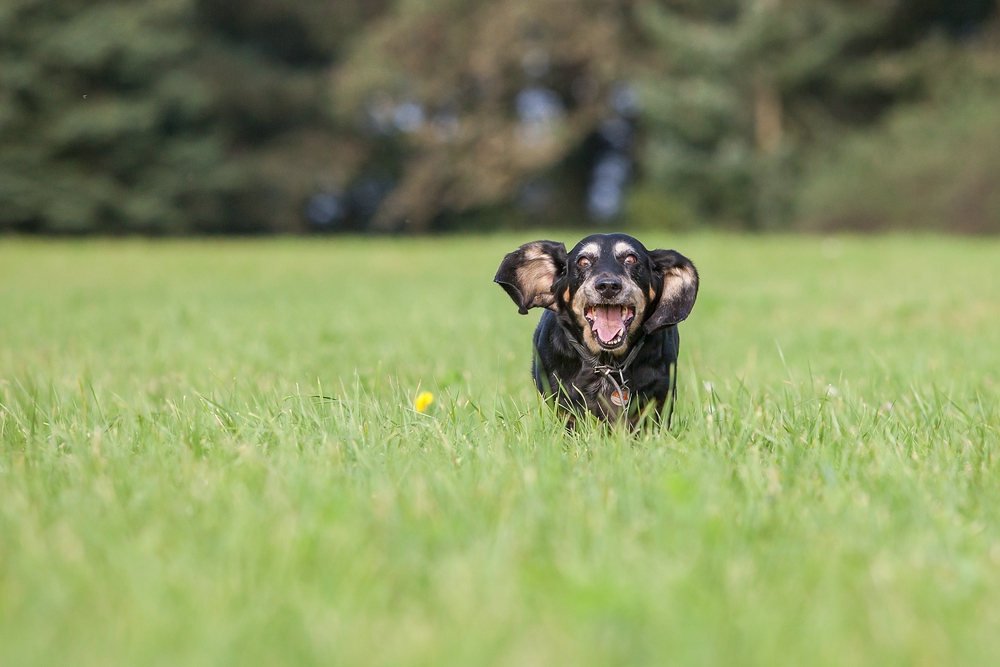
<point x="209" y="456"/>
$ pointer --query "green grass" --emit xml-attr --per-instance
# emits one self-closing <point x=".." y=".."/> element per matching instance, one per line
<point x="208" y="457"/>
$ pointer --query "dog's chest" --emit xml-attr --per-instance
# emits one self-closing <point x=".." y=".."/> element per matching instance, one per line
<point x="605" y="391"/>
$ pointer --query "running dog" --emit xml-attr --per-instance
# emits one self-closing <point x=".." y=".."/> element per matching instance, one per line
<point x="608" y="340"/>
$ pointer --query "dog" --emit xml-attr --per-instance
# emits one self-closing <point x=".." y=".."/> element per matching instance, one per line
<point x="608" y="342"/>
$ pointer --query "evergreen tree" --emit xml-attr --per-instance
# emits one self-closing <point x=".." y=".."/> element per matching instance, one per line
<point x="167" y="116"/>
<point x="743" y="88"/>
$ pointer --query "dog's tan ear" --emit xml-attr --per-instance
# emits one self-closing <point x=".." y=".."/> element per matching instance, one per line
<point x="680" y="289"/>
<point x="527" y="274"/>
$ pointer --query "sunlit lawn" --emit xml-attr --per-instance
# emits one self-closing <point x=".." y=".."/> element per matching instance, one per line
<point x="209" y="456"/>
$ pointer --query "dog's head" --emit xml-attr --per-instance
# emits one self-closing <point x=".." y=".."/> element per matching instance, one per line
<point x="607" y="289"/>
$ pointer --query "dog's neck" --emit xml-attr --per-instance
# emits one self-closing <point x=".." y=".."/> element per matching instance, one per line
<point x="613" y="366"/>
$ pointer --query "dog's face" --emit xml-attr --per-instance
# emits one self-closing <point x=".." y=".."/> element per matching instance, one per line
<point x="606" y="290"/>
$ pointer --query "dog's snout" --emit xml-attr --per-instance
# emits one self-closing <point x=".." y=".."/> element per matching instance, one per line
<point x="608" y="286"/>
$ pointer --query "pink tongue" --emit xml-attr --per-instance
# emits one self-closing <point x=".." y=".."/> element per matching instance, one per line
<point x="608" y="322"/>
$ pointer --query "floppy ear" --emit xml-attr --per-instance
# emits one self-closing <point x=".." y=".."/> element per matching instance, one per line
<point x="527" y="274"/>
<point x="680" y="289"/>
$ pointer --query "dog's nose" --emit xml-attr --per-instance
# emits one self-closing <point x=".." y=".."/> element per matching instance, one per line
<point x="608" y="286"/>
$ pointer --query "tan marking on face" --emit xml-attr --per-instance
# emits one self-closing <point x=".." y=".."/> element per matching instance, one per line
<point x="579" y="306"/>
<point x="593" y="249"/>
<point x="566" y="295"/>
<point x="623" y="248"/>
<point x="587" y="294"/>
<point x="652" y="293"/>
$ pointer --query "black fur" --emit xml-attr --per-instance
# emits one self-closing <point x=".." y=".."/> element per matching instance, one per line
<point x="570" y="364"/>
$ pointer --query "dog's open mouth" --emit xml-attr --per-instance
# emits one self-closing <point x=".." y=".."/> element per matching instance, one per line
<point x="609" y="323"/>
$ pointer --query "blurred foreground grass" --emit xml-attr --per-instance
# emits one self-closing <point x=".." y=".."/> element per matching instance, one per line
<point x="208" y="456"/>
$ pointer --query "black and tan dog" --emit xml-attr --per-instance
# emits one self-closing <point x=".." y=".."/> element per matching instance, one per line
<point x="609" y="341"/>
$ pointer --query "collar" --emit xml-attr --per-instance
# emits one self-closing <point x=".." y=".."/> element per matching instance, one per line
<point x="614" y="373"/>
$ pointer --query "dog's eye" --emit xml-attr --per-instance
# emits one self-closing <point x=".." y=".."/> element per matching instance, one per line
<point x="584" y="262"/>
<point x="629" y="260"/>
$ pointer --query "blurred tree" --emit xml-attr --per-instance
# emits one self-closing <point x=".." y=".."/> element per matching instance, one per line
<point x="486" y="104"/>
<point x="481" y="102"/>
<point x="740" y="89"/>
<point x="179" y="116"/>
<point x="167" y="116"/>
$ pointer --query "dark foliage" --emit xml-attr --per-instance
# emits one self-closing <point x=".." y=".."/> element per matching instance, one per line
<point x="168" y="116"/>
<point x="226" y="116"/>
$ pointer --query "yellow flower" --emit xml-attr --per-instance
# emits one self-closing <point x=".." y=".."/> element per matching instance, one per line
<point x="424" y="400"/>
